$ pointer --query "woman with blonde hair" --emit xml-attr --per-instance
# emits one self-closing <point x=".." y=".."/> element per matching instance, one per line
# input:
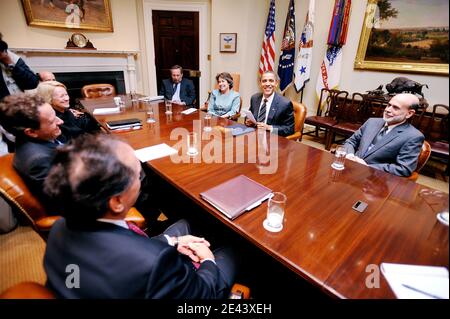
<point x="55" y="93"/>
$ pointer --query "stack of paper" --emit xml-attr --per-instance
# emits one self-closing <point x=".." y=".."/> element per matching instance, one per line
<point x="152" y="98"/>
<point x="417" y="282"/>
<point x="189" y="111"/>
<point x="107" y="110"/>
<point x="152" y="152"/>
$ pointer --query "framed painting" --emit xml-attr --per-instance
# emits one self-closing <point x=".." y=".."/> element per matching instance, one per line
<point x="228" y="42"/>
<point x="405" y="36"/>
<point x="69" y="14"/>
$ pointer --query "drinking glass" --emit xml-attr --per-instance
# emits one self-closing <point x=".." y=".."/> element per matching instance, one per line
<point x="150" y="114"/>
<point x="207" y="122"/>
<point x="275" y="212"/>
<point x="168" y="106"/>
<point x="192" y="144"/>
<point x="339" y="158"/>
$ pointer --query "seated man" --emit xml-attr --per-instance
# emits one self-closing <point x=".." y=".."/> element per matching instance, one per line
<point x="45" y="76"/>
<point x="15" y="75"/>
<point x="390" y="143"/>
<point x="94" y="182"/>
<point x="36" y="127"/>
<point x="271" y="110"/>
<point x="177" y="89"/>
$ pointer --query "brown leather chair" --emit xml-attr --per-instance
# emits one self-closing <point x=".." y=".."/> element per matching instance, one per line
<point x="93" y="91"/>
<point x="299" y="115"/>
<point x="27" y="290"/>
<point x="424" y="155"/>
<point x="14" y="190"/>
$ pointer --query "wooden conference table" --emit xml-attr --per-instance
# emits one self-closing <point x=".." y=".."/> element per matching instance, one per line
<point x="324" y="240"/>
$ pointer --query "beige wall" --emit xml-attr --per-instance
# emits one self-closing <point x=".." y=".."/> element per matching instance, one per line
<point x="249" y="22"/>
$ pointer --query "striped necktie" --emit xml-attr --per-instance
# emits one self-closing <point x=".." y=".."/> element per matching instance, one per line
<point x="262" y="112"/>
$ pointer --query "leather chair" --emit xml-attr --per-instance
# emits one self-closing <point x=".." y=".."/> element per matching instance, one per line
<point x="424" y="155"/>
<point x="299" y="115"/>
<point x="93" y="91"/>
<point x="14" y="190"/>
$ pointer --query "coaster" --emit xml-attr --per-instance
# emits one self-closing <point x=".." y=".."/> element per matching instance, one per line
<point x="443" y="218"/>
<point x="337" y="168"/>
<point x="192" y="153"/>
<point x="270" y="228"/>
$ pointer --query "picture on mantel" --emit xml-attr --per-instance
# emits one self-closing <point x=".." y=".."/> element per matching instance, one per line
<point x="69" y="14"/>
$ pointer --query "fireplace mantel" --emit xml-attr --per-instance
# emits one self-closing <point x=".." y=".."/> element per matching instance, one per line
<point x="79" y="60"/>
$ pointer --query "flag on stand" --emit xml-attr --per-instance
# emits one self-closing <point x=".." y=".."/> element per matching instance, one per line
<point x="302" y="67"/>
<point x="287" y="55"/>
<point x="330" y="69"/>
<point x="267" y="60"/>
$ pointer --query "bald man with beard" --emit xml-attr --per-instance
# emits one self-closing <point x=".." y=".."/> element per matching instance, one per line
<point x="390" y="143"/>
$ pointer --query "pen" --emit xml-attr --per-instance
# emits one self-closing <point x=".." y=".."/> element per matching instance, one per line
<point x="422" y="292"/>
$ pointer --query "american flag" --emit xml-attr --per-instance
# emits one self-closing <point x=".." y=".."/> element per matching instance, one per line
<point x="267" y="60"/>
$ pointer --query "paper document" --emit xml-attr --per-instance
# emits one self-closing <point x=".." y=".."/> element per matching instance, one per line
<point x="151" y="98"/>
<point x="417" y="282"/>
<point x="189" y="111"/>
<point x="156" y="151"/>
<point x="106" y="110"/>
<point x="249" y="115"/>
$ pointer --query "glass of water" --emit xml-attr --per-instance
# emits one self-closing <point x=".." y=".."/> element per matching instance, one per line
<point x="207" y="122"/>
<point x="275" y="212"/>
<point x="339" y="158"/>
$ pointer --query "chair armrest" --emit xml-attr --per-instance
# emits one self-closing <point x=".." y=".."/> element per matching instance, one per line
<point x="239" y="291"/>
<point x="27" y="290"/>
<point x="235" y="117"/>
<point x="136" y="218"/>
<point x="44" y="224"/>
<point x="414" y="176"/>
<point x="333" y="148"/>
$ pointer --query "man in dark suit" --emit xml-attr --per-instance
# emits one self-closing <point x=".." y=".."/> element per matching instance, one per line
<point x="390" y="143"/>
<point x="94" y="253"/>
<point x="272" y="111"/>
<point x="36" y="127"/>
<point x="177" y="89"/>
<point x="15" y="76"/>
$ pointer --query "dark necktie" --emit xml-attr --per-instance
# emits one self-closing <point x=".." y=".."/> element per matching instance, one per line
<point x="136" y="229"/>
<point x="262" y="112"/>
<point x="174" y="87"/>
<point x="380" y="135"/>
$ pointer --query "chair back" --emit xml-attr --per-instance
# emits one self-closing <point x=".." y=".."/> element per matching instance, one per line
<point x="93" y="91"/>
<point x="424" y="155"/>
<point x="14" y="190"/>
<point x="299" y="118"/>
<point x="331" y="102"/>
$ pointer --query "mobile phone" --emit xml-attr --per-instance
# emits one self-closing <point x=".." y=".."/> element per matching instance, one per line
<point x="360" y="206"/>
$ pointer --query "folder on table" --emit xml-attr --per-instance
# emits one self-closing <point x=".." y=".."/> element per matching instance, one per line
<point x="236" y="196"/>
<point x="239" y="129"/>
<point x="124" y="124"/>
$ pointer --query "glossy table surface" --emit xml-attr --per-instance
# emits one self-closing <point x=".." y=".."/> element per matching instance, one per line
<point x="323" y="240"/>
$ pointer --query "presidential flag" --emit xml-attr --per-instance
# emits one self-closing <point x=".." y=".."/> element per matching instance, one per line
<point x="286" y="62"/>
<point x="267" y="60"/>
<point x="302" y="67"/>
<point x="330" y="69"/>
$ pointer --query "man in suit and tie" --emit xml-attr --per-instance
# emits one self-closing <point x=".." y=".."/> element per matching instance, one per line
<point x="390" y="143"/>
<point x="177" y="89"/>
<point x="272" y="111"/>
<point x="94" y="182"/>
<point x="36" y="127"/>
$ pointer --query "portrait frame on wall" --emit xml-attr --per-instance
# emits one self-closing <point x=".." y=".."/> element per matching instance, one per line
<point x="69" y="14"/>
<point x="388" y="43"/>
<point x="228" y="42"/>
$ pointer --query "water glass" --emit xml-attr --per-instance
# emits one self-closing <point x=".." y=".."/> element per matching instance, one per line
<point x="150" y="114"/>
<point x="275" y="212"/>
<point x="192" y="144"/>
<point x="168" y="106"/>
<point x="207" y="123"/>
<point x="117" y="100"/>
<point x="339" y="158"/>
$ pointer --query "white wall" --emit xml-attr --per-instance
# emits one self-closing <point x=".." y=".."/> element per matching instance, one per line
<point x="248" y="18"/>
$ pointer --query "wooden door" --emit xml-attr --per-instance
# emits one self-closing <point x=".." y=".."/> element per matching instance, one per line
<point x="176" y="35"/>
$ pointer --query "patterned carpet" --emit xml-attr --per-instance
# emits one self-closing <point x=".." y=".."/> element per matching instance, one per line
<point x="21" y="258"/>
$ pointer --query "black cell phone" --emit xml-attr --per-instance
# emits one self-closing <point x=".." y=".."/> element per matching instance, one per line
<point x="360" y="206"/>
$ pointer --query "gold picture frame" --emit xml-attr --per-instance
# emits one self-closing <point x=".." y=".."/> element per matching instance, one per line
<point x="371" y="56"/>
<point x="69" y="14"/>
<point x="228" y="42"/>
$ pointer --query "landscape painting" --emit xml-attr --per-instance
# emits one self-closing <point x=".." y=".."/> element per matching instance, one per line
<point x="69" y="14"/>
<point x="405" y="35"/>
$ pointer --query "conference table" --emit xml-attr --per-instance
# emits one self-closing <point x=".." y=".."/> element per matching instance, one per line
<point x="323" y="240"/>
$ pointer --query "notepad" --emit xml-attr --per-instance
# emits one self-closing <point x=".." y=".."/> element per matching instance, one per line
<point x="106" y="110"/>
<point x="153" y="152"/>
<point x="249" y="115"/>
<point x="189" y="111"/>
<point x="152" y="98"/>
<point x="417" y="282"/>
<point x="236" y="196"/>
<point x="239" y="129"/>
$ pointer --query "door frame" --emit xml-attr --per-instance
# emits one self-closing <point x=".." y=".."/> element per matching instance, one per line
<point x="204" y="35"/>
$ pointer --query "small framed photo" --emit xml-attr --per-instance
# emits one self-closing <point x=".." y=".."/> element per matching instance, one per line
<point x="228" y="42"/>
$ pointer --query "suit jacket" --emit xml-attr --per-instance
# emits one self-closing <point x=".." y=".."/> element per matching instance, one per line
<point x="115" y="262"/>
<point x="24" y="77"/>
<point x="281" y="115"/>
<point x="187" y="90"/>
<point x="73" y="126"/>
<point x="33" y="160"/>
<point x="396" y="153"/>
